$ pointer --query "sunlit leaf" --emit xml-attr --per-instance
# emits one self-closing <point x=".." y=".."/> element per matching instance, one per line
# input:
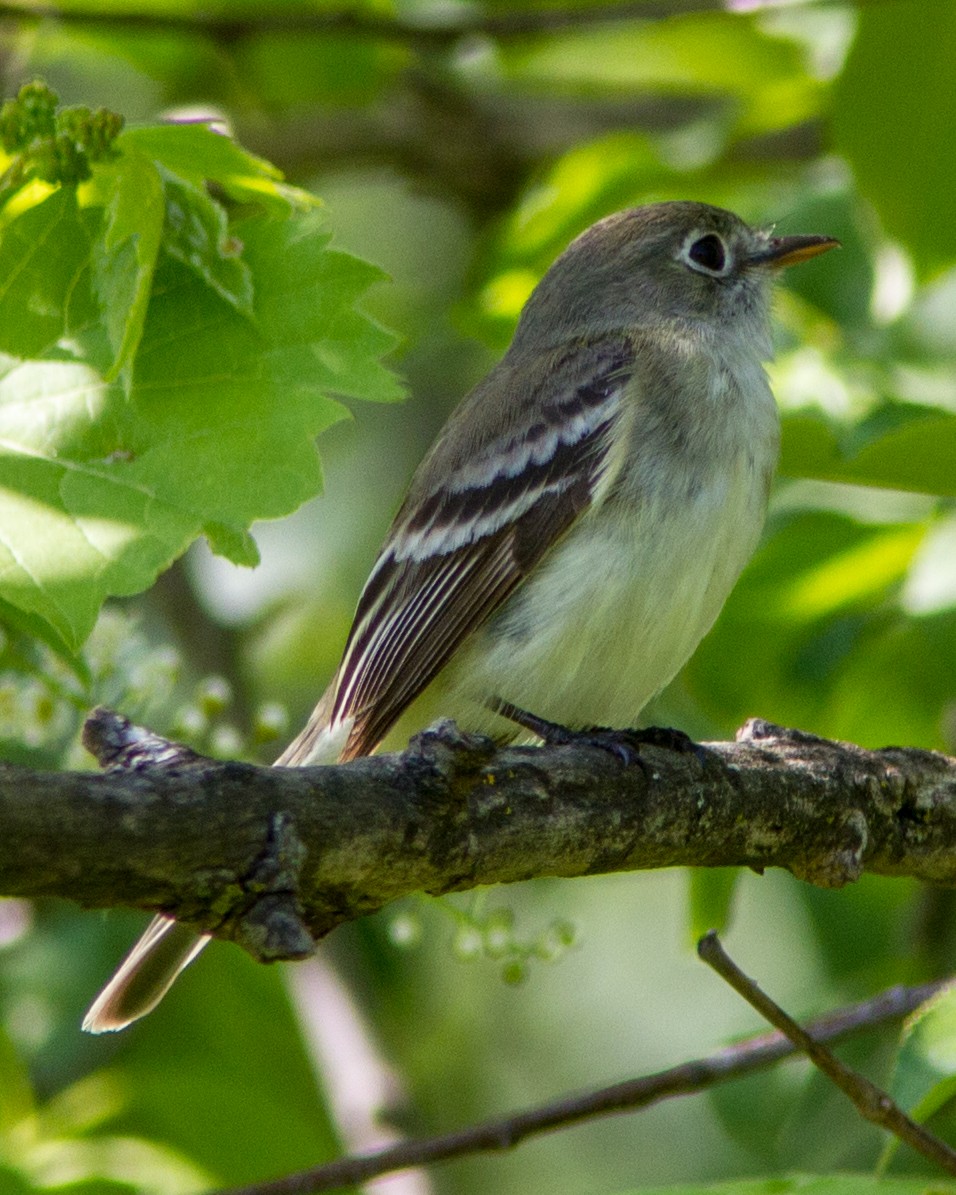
<point x="198" y="154"/>
<point x="862" y="572"/>
<point x="99" y="488"/>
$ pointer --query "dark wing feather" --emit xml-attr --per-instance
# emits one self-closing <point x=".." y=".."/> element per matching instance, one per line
<point x="456" y="553"/>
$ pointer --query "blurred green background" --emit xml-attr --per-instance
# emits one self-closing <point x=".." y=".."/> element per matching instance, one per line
<point x="460" y="147"/>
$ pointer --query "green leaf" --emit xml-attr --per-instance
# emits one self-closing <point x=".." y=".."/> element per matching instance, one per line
<point x="306" y="296"/>
<point x="916" y="453"/>
<point x="839" y="285"/>
<point x="198" y="154"/>
<point x="858" y="574"/>
<point x="927" y="1054"/>
<point x="586" y="183"/>
<point x="100" y="490"/>
<point x="57" y="1145"/>
<point x="822" y="564"/>
<point x="124" y="257"/>
<point x="63" y="524"/>
<point x="106" y="1165"/>
<point x="899" y="72"/>
<point x="44" y="259"/>
<point x="197" y="234"/>
<point x="34" y="627"/>
<point x="237" y="545"/>
<point x="925" y="1076"/>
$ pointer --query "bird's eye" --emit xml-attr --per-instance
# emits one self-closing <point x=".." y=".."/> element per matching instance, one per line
<point x="708" y="253"/>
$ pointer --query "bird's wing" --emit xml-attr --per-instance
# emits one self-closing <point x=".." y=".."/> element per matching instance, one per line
<point x="455" y="553"/>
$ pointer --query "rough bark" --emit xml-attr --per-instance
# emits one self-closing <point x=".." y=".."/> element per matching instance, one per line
<point x="276" y="858"/>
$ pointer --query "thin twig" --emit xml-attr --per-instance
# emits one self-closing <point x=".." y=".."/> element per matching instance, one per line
<point x="688" y="1079"/>
<point x="870" y="1101"/>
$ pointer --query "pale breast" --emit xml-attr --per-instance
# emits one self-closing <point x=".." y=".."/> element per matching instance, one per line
<point x="618" y="606"/>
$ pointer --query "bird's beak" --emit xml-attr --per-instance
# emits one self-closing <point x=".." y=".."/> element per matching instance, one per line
<point x="787" y="251"/>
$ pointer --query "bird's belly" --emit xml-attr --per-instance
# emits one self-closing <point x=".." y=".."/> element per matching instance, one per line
<point x="617" y="608"/>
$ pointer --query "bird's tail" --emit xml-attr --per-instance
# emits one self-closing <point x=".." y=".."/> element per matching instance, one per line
<point x="320" y="740"/>
<point x="145" y="975"/>
<point x="166" y="947"/>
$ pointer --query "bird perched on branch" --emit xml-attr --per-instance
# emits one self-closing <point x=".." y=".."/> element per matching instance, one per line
<point x="577" y="525"/>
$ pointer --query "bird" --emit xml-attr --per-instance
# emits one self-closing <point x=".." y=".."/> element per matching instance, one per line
<point x="579" y="522"/>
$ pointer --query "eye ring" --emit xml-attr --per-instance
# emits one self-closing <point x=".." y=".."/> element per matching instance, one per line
<point x="707" y="254"/>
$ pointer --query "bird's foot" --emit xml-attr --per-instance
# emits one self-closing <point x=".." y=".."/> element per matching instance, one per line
<point x="624" y="745"/>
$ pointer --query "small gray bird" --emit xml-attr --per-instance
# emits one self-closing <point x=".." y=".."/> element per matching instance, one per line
<point x="579" y="522"/>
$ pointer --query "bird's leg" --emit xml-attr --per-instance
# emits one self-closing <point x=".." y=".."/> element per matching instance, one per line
<point x="624" y="745"/>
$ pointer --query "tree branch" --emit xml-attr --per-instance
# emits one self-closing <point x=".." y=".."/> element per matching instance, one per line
<point x="734" y="1062"/>
<point x="873" y="1104"/>
<point x="275" y="858"/>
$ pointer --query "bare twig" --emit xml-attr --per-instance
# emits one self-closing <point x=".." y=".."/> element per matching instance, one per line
<point x="508" y="1131"/>
<point x="871" y="1101"/>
